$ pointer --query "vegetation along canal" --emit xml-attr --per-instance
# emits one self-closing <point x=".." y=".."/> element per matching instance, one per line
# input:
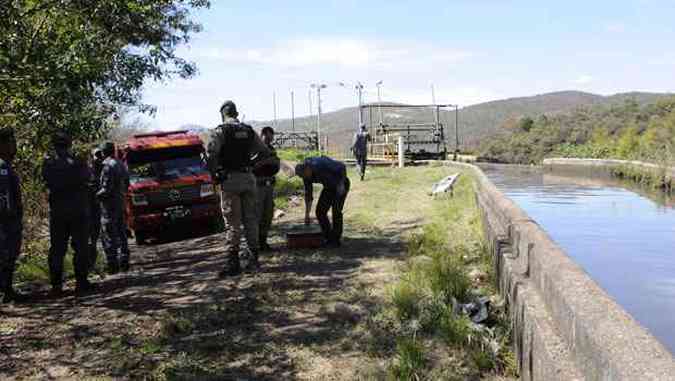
<point x="625" y="240"/>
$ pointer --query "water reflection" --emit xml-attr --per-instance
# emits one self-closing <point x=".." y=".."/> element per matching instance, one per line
<point x="623" y="237"/>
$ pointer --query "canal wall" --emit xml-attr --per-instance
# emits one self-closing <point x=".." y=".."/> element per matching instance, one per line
<point x="656" y="175"/>
<point x="565" y="327"/>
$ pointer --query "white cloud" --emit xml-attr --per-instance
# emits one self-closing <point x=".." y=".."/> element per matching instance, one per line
<point x="583" y="80"/>
<point x="340" y="52"/>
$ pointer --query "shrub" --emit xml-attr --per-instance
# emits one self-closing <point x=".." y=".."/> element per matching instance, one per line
<point x="405" y="297"/>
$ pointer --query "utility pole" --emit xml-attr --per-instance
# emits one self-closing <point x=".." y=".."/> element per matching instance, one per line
<point x="318" y="87"/>
<point x="359" y="88"/>
<point x="379" y="100"/>
<point x="274" y="104"/>
<point x="456" y="131"/>
<point x="292" y="112"/>
<point x="433" y="97"/>
<point x="309" y="97"/>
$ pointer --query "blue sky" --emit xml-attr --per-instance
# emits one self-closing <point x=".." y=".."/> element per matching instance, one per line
<point x="472" y="51"/>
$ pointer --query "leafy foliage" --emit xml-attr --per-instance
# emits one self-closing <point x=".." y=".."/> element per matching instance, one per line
<point x="626" y="131"/>
<point x="74" y="65"/>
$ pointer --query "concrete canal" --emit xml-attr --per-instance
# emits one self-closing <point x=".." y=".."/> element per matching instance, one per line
<point x="622" y="237"/>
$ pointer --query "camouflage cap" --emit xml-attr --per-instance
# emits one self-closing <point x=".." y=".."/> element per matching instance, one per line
<point x="229" y="109"/>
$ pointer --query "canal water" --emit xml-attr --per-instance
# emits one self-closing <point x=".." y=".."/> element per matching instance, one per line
<point x="623" y="237"/>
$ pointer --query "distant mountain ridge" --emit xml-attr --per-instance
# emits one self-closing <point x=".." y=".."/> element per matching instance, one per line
<point x="475" y="122"/>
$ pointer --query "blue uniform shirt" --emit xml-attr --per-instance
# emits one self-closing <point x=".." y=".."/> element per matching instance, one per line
<point x="325" y="171"/>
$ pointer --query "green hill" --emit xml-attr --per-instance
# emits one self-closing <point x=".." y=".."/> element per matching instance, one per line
<point x="624" y="128"/>
<point x="476" y="122"/>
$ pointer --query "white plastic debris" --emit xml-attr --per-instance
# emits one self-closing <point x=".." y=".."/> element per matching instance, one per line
<point x="444" y="185"/>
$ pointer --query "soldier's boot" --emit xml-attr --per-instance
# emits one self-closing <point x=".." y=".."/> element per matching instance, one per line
<point x="253" y="265"/>
<point x="124" y="265"/>
<point x="9" y="294"/>
<point x="84" y="286"/>
<point x="232" y="266"/>
<point x="264" y="246"/>
<point x="12" y="296"/>
<point x="113" y="266"/>
<point x="56" y="291"/>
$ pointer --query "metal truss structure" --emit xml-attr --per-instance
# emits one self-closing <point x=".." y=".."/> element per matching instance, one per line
<point x="422" y="140"/>
<point x="304" y="140"/>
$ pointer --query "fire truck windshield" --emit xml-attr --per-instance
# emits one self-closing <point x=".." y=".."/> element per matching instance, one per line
<point x="166" y="169"/>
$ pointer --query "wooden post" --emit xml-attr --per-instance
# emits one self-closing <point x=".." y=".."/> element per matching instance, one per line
<point x="401" y="153"/>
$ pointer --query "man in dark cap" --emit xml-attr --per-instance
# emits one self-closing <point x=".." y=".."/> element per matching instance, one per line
<point x="112" y="189"/>
<point x="231" y="149"/>
<point x="67" y="179"/>
<point x="11" y="214"/>
<point x="332" y="174"/>
<point x="265" y="172"/>
<point x="360" y="149"/>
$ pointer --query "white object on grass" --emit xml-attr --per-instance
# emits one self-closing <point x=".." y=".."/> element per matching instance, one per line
<point x="444" y="185"/>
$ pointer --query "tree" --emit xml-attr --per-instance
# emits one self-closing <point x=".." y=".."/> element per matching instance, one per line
<point x="70" y="64"/>
<point x="526" y="124"/>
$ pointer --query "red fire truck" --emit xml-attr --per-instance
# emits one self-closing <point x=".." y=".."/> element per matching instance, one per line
<point x="170" y="185"/>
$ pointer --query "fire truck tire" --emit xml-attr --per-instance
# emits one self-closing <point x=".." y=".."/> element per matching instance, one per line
<point x="140" y="238"/>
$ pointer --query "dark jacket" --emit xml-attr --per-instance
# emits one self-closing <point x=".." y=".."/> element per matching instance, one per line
<point x="67" y="179"/>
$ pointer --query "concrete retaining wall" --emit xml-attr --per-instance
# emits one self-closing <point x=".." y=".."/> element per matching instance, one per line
<point x="565" y="326"/>
<point x="594" y="166"/>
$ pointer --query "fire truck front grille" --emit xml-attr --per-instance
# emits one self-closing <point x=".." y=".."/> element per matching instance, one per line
<point x="174" y="195"/>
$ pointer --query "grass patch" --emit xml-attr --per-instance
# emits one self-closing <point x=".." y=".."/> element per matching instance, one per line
<point x="33" y="267"/>
<point x="410" y="360"/>
<point x="422" y="304"/>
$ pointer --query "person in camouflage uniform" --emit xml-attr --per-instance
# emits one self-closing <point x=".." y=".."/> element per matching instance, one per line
<point x="113" y="186"/>
<point x="11" y="216"/>
<point x="232" y="146"/>
<point x="265" y="171"/>
<point x="67" y="179"/>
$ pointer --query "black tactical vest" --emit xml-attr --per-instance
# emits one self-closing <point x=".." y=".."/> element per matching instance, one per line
<point x="7" y="198"/>
<point x="235" y="155"/>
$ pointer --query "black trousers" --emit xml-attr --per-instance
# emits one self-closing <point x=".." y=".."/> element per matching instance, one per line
<point x="10" y="246"/>
<point x="62" y="229"/>
<point x="361" y="162"/>
<point x="329" y="200"/>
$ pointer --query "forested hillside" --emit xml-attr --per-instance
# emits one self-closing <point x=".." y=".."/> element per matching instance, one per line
<point x="628" y="130"/>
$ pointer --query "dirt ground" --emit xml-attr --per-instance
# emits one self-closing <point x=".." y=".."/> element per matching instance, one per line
<point x="172" y="318"/>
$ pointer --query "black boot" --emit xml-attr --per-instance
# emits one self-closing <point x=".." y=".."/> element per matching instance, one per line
<point x="13" y="296"/>
<point x="253" y="264"/>
<point x="113" y="267"/>
<point x="56" y="291"/>
<point x="84" y="286"/>
<point x="124" y="265"/>
<point x="232" y="266"/>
